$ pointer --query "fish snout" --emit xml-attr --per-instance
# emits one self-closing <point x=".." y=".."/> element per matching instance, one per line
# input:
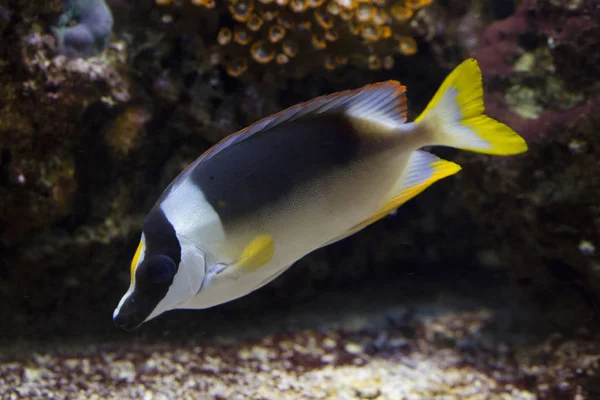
<point x="128" y="316"/>
<point x="127" y="322"/>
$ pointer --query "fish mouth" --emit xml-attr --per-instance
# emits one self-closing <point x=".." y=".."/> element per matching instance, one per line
<point x="133" y="310"/>
<point x="126" y="324"/>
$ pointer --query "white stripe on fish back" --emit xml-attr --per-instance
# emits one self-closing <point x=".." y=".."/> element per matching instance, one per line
<point x="192" y="216"/>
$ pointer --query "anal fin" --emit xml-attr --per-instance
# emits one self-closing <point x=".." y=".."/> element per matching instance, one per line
<point x="422" y="170"/>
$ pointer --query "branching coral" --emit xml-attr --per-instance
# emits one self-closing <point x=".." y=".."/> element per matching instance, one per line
<point x="297" y="36"/>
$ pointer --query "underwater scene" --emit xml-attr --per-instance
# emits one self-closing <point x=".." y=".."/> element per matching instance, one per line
<point x="300" y="199"/>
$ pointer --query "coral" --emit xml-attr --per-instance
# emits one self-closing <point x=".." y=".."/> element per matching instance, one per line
<point x="42" y="100"/>
<point x="125" y="133"/>
<point x="90" y="35"/>
<point x="298" y="36"/>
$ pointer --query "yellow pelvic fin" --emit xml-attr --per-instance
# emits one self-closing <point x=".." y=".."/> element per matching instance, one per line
<point x="258" y="253"/>
<point x="423" y="169"/>
<point x="456" y="116"/>
<point x="135" y="261"/>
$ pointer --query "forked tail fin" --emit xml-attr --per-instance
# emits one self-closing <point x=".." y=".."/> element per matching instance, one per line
<point x="456" y="117"/>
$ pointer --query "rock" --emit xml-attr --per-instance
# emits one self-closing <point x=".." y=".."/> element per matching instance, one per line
<point x="538" y="208"/>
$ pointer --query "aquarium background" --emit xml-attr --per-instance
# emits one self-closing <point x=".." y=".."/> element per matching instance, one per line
<point x="485" y="286"/>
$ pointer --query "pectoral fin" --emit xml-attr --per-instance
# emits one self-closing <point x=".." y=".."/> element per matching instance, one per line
<point x="258" y="253"/>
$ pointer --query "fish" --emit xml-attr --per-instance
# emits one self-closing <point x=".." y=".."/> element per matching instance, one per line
<point x="311" y="175"/>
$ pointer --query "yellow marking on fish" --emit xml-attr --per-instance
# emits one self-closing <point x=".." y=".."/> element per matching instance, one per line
<point x="463" y="88"/>
<point x="134" y="262"/>
<point x="258" y="253"/>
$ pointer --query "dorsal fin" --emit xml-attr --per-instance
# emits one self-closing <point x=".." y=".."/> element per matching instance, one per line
<point x="383" y="102"/>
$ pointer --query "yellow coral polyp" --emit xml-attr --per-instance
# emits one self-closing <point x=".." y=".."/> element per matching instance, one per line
<point x="255" y="23"/>
<point x="416" y="4"/>
<point x="371" y="32"/>
<point x="354" y="28"/>
<point x="381" y="17"/>
<point x="241" y="10"/>
<point x="241" y="36"/>
<point x="237" y="67"/>
<point x="282" y="59"/>
<point x="407" y="45"/>
<point x="276" y="33"/>
<point x="304" y="26"/>
<point x="341" y="60"/>
<point x="401" y="13"/>
<point x="388" y="62"/>
<point x="374" y="62"/>
<point x="329" y="62"/>
<point x="290" y="48"/>
<point x="346" y="15"/>
<point x="270" y="15"/>
<point x="333" y="8"/>
<point x="224" y="36"/>
<point x="348" y="4"/>
<point x="325" y="21"/>
<point x="365" y="12"/>
<point x="386" y="32"/>
<point x="315" y="3"/>
<point x="261" y="52"/>
<point x="331" y="35"/>
<point x="200" y="3"/>
<point x="318" y="42"/>
<point x="299" y="6"/>
<point x="285" y="22"/>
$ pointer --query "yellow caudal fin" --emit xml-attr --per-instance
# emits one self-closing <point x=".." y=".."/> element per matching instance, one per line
<point x="422" y="170"/>
<point x="258" y="253"/>
<point x="456" y="117"/>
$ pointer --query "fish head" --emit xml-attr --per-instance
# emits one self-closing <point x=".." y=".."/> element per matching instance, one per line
<point x="167" y="270"/>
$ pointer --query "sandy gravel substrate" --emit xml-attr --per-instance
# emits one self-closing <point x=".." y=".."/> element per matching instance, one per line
<point x="445" y="349"/>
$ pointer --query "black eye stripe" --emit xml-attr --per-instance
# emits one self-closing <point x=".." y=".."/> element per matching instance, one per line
<point x="155" y="274"/>
<point x="160" y="236"/>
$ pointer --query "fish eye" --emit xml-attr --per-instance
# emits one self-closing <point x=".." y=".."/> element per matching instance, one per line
<point x="161" y="269"/>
